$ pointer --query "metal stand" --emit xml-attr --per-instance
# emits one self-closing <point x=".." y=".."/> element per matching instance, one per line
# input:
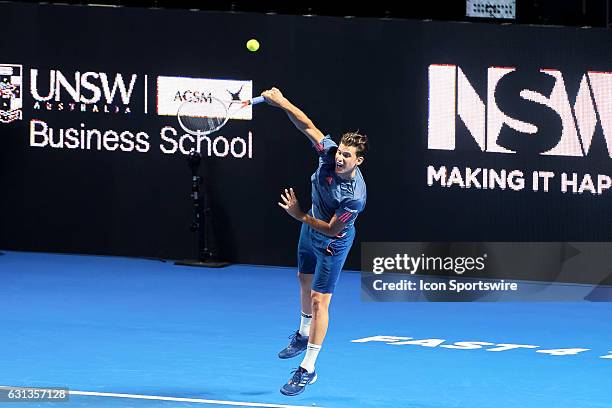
<point x="201" y="219"/>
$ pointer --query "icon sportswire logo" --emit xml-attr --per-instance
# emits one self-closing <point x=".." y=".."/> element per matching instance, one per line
<point x="523" y="111"/>
<point x="11" y="98"/>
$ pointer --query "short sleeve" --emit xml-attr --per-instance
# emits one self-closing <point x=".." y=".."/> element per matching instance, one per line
<point x="326" y="150"/>
<point x="348" y="211"/>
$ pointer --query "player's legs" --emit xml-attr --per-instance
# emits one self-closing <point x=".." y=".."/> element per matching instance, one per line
<point x="331" y="254"/>
<point x="305" y="373"/>
<point x="324" y="282"/>
<point x="307" y="262"/>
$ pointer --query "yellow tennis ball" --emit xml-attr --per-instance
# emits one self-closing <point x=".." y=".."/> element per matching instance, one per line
<point x="252" y="45"/>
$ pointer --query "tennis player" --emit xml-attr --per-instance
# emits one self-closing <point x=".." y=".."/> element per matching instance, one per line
<point x="326" y="236"/>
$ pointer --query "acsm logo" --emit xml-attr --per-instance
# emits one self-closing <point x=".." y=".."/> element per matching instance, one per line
<point x="523" y="111"/>
<point x="84" y="91"/>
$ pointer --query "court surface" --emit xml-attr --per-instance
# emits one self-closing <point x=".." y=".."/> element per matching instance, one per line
<point x="151" y="329"/>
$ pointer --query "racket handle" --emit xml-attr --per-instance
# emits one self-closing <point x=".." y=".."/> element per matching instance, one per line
<point x="257" y="100"/>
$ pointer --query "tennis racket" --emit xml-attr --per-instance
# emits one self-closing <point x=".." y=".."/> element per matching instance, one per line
<point x="209" y="114"/>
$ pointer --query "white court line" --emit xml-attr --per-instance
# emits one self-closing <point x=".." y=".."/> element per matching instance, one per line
<point x="194" y="400"/>
<point x="160" y="398"/>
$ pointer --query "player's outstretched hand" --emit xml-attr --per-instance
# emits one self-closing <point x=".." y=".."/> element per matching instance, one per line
<point x="273" y="97"/>
<point x="290" y="204"/>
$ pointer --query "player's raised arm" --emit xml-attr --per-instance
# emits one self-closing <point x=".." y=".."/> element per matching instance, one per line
<point x="274" y="97"/>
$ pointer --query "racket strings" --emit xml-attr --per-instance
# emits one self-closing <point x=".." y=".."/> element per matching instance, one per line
<point x="202" y="124"/>
<point x="202" y="118"/>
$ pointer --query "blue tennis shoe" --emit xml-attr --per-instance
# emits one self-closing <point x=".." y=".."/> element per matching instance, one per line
<point x="296" y="346"/>
<point x="298" y="382"/>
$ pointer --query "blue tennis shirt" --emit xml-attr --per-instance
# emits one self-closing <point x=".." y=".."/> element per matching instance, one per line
<point x="332" y="194"/>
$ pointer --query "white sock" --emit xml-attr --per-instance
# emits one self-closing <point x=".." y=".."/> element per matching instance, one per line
<point x="312" y="351"/>
<point x="305" y="324"/>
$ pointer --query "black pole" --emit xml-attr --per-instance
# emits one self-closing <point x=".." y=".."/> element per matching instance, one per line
<point x="201" y="218"/>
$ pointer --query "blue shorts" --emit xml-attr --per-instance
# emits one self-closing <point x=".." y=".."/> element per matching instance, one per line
<point x="323" y="256"/>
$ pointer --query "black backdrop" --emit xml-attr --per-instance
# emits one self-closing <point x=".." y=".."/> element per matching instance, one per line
<point x="346" y="74"/>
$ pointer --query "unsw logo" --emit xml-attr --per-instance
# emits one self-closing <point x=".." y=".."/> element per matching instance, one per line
<point x="84" y="91"/>
<point x="11" y="99"/>
<point x="526" y="112"/>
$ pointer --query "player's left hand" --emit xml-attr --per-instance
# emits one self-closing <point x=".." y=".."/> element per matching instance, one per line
<point x="291" y="204"/>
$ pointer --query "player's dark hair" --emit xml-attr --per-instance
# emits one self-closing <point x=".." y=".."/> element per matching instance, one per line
<point x="359" y="141"/>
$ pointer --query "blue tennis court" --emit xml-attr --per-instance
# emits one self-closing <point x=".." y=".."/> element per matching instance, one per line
<point x="123" y="332"/>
